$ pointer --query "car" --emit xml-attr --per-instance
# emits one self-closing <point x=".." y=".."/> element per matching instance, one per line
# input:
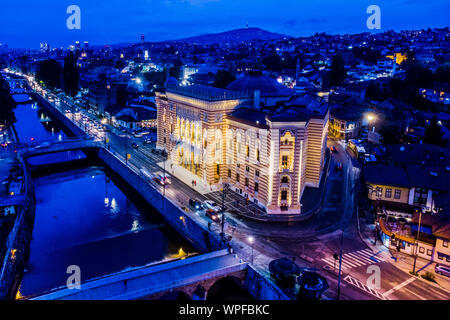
<point x="443" y="270"/>
<point x="209" y="204"/>
<point x="161" y="179"/>
<point x="213" y="215"/>
<point x="195" y="203"/>
<point x="147" y="141"/>
<point x="333" y="149"/>
<point x="339" y="166"/>
<point x="135" y="145"/>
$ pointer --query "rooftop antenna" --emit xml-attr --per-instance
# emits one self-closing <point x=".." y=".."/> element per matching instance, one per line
<point x="247" y="25"/>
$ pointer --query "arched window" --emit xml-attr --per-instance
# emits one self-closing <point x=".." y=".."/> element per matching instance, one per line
<point x="285" y="179"/>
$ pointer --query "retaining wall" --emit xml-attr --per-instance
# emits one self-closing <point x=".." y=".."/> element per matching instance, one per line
<point x="202" y="239"/>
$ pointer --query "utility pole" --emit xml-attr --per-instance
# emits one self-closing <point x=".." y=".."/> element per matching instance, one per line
<point x="224" y="191"/>
<point x="126" y="150"/>
<point x="340" y="264"/>
<point x="417" y="241"/>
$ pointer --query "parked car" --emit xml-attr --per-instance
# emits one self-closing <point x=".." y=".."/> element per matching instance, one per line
<point x="212" y="205"/>
<point x="213" y="215"/>
<point x="339" y="166"/>
<point x="443" y="270"/>
<point x="195" y="203"/>
<point x="135" y="145"/>
<point x="333" y="149"/>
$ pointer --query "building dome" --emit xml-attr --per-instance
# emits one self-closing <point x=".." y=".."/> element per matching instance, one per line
<point x="254" y="82"/>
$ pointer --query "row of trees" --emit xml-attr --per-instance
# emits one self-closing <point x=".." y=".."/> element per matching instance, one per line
<point x="53" y="75"/>
<point x="7" y="104"/>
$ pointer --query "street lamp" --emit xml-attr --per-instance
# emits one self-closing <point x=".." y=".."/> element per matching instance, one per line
<point x="251" y="240"/>
<point x="225" y="188"/>
<point x="371" y="118"/>
<point x="416" y="244"/>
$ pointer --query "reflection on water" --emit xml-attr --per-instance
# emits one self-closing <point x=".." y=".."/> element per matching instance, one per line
<point x="33" y="124"/>
<point x="84" y="219"/>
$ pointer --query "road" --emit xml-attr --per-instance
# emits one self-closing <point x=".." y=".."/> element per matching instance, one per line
<point x="311" y="243"/>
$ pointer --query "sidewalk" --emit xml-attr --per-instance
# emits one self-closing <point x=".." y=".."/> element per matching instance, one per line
<point x="403" y="261"/>
<point x="186" y="177"/>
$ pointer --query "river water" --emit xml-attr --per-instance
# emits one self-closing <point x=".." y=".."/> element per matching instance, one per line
<point x="88" y="217"/>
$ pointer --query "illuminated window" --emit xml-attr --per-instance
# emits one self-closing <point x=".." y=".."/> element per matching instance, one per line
<point x="397" y="194"/>
<point x="256" y="187"/>
<point x="257" y="154"/>
<point x="247" y="151"/>
<point x="246" y="182"/>
<point x="379" y="192"/>
<point x="388" y="193"/>
<point x="229" y="173"/>
<point x="237" y="177"/>
<point x="284" y="162"/>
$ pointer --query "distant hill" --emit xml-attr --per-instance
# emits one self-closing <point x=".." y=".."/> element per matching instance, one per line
<point x="237" y="35"/>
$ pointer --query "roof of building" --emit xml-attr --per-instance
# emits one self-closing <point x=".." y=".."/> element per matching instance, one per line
<point x="267" y="86"/>
<point x="209" y="93"/>
<point x="427" y="154"/>
<point x="126" y="118"/>
<point x="430" y="177"/>
<point x="386" y="175"/>
<point x="249" y="116"/>
<point x="439" y="223"/>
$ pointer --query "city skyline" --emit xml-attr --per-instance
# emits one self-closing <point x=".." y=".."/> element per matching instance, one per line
<point x="112" y="23"/>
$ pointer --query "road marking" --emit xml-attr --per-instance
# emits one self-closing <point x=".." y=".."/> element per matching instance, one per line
<point x="410" y="291"/>
<point x="356" y="256"/>
<point x="399" y="286"/>
<point x="362" y="286"/>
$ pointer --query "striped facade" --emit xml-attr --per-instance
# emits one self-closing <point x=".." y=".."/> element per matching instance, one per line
<point x="270" y="164"/>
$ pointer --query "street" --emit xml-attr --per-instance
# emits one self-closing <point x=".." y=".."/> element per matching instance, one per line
<point x="312" y="243"/>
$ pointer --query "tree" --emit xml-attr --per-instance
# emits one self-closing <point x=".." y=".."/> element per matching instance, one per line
<point x="338" y="73"/>
<point x="120" y="64"/>
<point x="71" y="74"/>
<point x="223" y="78"/>
<point x="49" y="72"/>
<point x="433" y="133"/>
<point x="7" y="104"/>
<point x="273" y="62"/>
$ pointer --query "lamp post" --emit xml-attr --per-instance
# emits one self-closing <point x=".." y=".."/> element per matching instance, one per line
<point x="224" y="193"/>
<point x="416" y="244"/>
<point x="251" y="240"/>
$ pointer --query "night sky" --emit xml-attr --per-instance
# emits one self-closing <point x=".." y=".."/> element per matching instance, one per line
<point x="25" y="23"/>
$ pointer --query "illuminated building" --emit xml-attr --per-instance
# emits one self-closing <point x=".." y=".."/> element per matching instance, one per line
<point x="267" y="155"/>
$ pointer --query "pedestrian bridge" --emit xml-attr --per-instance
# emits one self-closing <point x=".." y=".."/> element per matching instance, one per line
<point x="145" y="281"/>
<point x="43" y="148"/>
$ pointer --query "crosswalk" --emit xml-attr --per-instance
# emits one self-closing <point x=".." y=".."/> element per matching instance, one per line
<point x="355" y="282"/>
<point x="355" y="259"/>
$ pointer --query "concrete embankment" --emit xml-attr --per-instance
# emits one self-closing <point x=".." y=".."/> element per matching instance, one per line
<point x="18" y="243"/>
<point x="203" y="240"/>
<point x="57" y="115"/>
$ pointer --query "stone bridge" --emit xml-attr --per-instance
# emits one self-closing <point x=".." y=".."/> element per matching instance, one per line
<point x="60" y="146"/>
<point x="142" y="282"/>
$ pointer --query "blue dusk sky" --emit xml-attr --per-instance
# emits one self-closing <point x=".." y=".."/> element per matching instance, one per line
<point x="25" y="23"/>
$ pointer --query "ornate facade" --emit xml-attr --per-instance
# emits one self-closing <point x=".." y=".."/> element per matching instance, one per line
<point x="220" y="136"/>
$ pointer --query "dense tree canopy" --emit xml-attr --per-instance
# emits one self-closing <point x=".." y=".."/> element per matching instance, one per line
<point x="223" y="78"/>
<point x="71" y="74"/>
<point x="7" y="104"/>
<point x="49" y="72"/>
